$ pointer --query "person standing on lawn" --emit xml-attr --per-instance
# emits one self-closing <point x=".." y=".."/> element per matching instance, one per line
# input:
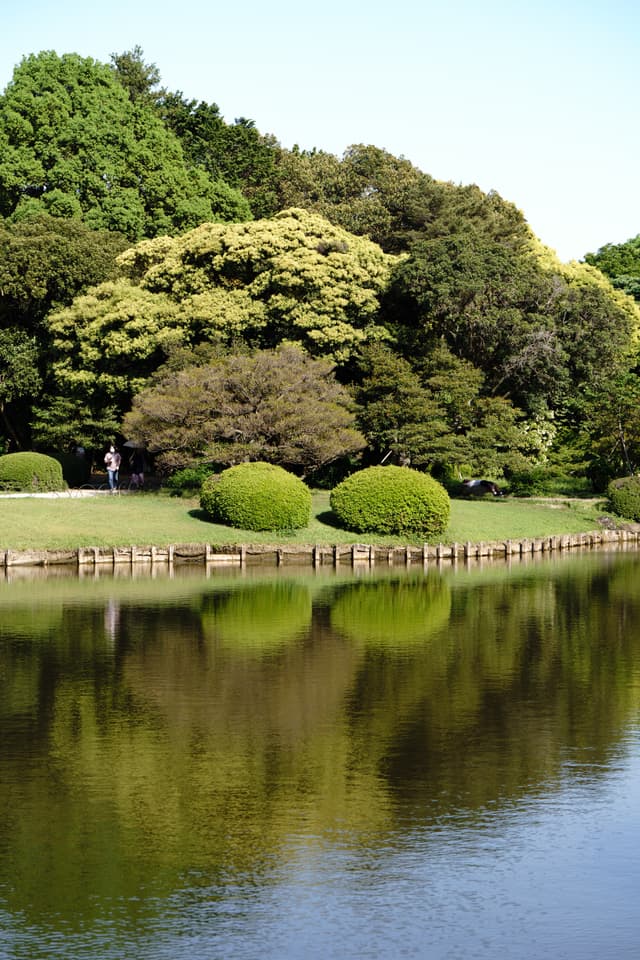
<point x="136" y="462"/>
<point x="112" y="460"/>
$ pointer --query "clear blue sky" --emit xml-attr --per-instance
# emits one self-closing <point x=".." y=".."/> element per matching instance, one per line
<point x="535" y="100"/>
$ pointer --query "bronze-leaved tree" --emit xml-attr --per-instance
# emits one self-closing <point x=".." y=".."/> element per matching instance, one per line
<point x="280" y="406"/>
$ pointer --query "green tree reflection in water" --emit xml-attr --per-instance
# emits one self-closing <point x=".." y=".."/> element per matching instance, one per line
<point x="161" y="735"/>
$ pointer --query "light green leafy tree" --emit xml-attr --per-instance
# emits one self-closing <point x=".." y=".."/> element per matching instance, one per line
<point x="293" y="279"/>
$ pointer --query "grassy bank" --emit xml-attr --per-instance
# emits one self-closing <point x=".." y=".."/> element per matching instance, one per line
<point x="144" y="519"/>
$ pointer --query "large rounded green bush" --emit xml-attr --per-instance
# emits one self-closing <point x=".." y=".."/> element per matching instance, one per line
<point x="394" y="500"/>
<point x="624" y="496"/>
<point x="30" y="472"/>
<point x="257" y="496"/>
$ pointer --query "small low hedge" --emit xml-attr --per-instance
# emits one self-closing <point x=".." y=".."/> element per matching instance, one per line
<point x="624" y="497"/>
<point x="257" y="496"/>
<point x="392" y="500"/>
<point x="30" y="472"/>
<point x="188" y="481"/>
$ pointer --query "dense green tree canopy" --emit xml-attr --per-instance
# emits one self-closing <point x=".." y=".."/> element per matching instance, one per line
<point x="46" y="261"/>
<point x="236" y="153"/>
<point x="73" y="144"/>
<point x="279" y="406"/>
<point x="293" y="278"/>
<point x="370" y="192"/>
<point x="621" y="263"/>
<point x="609" y="435"/>
<point x="139" y="79"/>
<point x="536" y="328"/>
<point x="19" y="374"/>
<point x="438" y="418"/>
<point x="489" y="338"/>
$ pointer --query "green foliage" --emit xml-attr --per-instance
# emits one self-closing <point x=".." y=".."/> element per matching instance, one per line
<point x="370" y="192"/>
<point x="292" y="278"/>
<point x="257" y="496"/>
<point x="137" y="77"/>
<point x="435" y="415"/>
<point x="19" y="375"/>
<point x="30" y="472"/>
<point x="535" y="328"/>
<point x="188" y="481"/>
<point x="624" y="497"/>
<point x="279" y="406"/>
<point x="395" y="411"/>
<point x="237" y="153"/>
<point x="46" y="261"/>
<point x="395" y="500"/>
<point x="73" y="144"/>
<point x="621" y="263"/>
<point x="539" y="481"/>
<point x="75" y="470"/>
<point x="66" y="420"/>
<point x="609" y="433"/>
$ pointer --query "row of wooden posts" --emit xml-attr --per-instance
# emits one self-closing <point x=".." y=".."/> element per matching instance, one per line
<point x="317" y="555"/>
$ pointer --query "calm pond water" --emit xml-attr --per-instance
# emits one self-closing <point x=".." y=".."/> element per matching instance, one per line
<point x="439" y="763"/>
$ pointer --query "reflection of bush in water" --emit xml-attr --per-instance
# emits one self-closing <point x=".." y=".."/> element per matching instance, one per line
<point x="37" y="621"/>
<point x="392" y="612"/>
<point x="260" y="618"/>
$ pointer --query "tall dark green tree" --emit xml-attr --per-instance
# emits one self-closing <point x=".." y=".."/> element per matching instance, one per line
<point x="370" y="192"/>
<point x="139" y="79"/>
<point x="73" y="144"/>
<point x="237" y="153"/>
<point x="44" y="263"/>
<point x="536" y="329"/>
<point x="438" y="417"/>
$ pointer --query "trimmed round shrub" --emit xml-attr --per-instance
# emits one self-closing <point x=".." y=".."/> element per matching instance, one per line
<point x="257" y="496"/>
<point x="30" y="472"/>
<point x="394" y="500"/>
<point x="624" y="496"/>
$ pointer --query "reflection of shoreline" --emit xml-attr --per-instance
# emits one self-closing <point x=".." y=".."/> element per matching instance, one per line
<point x="142" y="570"/>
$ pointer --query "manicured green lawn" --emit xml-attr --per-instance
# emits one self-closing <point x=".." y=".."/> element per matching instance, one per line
<point x="156" y="519"/>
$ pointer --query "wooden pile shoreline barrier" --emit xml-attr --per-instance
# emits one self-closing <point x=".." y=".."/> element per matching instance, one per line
<point x="250" y="554"/>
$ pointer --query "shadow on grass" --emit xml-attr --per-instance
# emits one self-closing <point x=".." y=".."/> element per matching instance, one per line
<point x="199" y="514"/>
<point x="329" y="519"/>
